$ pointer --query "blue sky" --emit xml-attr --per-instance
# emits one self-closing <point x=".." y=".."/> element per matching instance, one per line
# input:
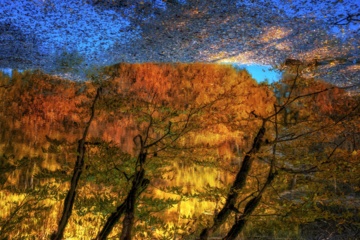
<point x="73" y="26"/>
<point x="261" y="72"/>
<point x="69" y="25"/>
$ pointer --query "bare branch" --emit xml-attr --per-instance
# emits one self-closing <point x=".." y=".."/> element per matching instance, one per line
<point x="161" y="138"/>
<point x="350" y="18"/>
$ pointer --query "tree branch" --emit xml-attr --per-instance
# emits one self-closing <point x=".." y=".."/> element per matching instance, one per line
<point x="238" y="184"/>
<point x="79" y="165"/>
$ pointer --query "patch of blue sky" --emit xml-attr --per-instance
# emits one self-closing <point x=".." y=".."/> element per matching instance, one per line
<point x="9" y="71"/>
<point x="260" y="73"/>
<point x="6" y="71"/>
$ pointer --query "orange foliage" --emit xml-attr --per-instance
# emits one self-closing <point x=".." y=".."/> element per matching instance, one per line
<point x="213" y="101"/>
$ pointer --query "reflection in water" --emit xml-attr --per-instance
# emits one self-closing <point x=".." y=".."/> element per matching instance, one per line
<point x="189" y="162"/>
<point x="261" y="72"/>
<point x="177" y="134"/>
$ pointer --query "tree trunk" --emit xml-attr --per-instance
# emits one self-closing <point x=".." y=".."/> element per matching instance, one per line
<point x="239" y="183"/>
<point x="128" y="206"/>
<point x="70" y="197"/>
<point x="128" y="221"/>
<point x="111" y="221"/>
<point x="249" y="208"/>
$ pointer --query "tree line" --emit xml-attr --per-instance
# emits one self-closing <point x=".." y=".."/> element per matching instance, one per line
<point x="176" y="151"/>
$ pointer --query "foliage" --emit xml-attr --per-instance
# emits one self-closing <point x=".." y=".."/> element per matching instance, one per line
<point x="172" y="140"/>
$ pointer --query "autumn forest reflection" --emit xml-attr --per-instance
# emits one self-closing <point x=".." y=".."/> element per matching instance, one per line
<point x="177" y="151"/>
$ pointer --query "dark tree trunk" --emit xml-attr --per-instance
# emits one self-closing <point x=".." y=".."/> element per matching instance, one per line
<point x="249" y="208"/>
<point x="238" y="184"/>
<point x="127" y="208"/>
<point x="70" y="197"/>
<point x="240" y="223"/>
<point x="111" y="221"/>
<point x="128" y="221"/>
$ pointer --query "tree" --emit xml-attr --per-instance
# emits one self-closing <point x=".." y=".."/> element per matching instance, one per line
<point x="181" y="150"/>
<point x="294" y="96"/>
<point x="177" y="101"/>
<point x="306" y="145"/>
<point x="150" y="101"/>
<point x="24" y="92"/>
<point x="79" y="165"/>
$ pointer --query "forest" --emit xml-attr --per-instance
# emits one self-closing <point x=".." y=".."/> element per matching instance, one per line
<point x="178" y="151"/>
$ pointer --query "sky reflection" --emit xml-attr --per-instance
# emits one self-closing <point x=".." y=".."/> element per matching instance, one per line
<point x="37" y="33"/>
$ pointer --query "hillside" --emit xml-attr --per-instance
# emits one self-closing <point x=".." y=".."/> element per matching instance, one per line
<point x="177" y="137"/>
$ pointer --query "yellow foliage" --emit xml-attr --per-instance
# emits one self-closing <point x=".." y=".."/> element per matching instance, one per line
<point x="212" y="102"/>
